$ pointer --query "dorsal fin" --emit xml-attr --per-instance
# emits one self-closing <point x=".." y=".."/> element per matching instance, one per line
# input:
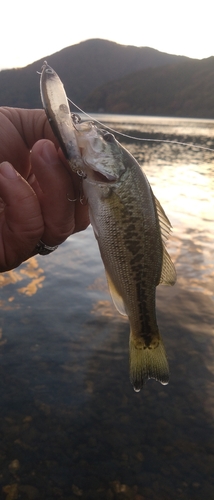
<point x="164" y="222"/>
<point x="168" y="273"/>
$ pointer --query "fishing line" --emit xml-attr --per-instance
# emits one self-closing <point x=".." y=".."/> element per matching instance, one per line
<point x="139" y="138"/>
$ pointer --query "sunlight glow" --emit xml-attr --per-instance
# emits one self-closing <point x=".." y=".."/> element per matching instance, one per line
<point x="28" y="34"/>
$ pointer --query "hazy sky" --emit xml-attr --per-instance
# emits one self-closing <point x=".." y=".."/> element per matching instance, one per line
<point x="32" y="30"/>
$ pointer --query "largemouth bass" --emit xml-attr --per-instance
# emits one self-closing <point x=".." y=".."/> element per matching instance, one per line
<point x="129" y="224"/>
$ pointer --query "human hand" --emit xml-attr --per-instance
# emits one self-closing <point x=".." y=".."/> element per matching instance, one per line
<point x="35" y="188"/>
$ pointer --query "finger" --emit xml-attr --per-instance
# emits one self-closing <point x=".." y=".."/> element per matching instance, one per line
<point x="54" y="188"/>
<point x="21" y="223"/>
<point x="21" y="128"/>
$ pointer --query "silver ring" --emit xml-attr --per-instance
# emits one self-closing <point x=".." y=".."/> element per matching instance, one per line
<point x="43" y="249"/>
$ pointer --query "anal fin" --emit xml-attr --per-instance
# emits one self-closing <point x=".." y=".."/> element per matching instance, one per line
<point x="116" y="297"/>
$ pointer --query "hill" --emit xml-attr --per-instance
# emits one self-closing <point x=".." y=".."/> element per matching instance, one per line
<point x="83" y="68"/>
<point x="100" y="75"/>
<point x="183" y="89"/>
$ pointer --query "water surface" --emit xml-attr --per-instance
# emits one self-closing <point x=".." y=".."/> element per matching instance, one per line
<point x="70" y="423"/>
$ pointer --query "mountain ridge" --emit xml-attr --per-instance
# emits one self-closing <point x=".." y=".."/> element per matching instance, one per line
<point x="181" y="90"/>
<point x="94" y="67"/>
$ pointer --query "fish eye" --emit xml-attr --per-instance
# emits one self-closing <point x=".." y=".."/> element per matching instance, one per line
<point x="108" y="137"/>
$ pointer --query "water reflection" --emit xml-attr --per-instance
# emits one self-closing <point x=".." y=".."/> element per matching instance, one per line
<point x="71" y="425"/>
<point x="30" y="272"/>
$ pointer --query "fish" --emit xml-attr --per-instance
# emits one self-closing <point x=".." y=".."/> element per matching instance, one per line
<point x="129" y="224"/>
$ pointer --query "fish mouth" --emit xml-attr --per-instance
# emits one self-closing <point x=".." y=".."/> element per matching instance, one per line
<point x="102" y="178"/>
<point x="97" y="176"/>
<point x="94" y="174"/>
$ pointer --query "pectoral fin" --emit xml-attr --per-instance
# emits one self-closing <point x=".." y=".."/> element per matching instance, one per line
<point x="116" y="297"/>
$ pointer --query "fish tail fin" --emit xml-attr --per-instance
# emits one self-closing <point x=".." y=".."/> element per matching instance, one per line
<point x="147" y="362"/>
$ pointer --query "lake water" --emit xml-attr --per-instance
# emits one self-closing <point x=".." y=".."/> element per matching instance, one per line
<point x="70" y="423"/>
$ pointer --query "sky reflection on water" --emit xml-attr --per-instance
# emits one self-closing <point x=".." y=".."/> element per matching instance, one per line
<point x="68" y="412"/>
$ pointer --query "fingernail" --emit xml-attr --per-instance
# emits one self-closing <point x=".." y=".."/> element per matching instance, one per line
<point x="8" y="171"/>
<point x="49" y="153"/>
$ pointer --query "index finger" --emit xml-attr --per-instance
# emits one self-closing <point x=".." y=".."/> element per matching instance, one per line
<point x="19" y="130"/>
